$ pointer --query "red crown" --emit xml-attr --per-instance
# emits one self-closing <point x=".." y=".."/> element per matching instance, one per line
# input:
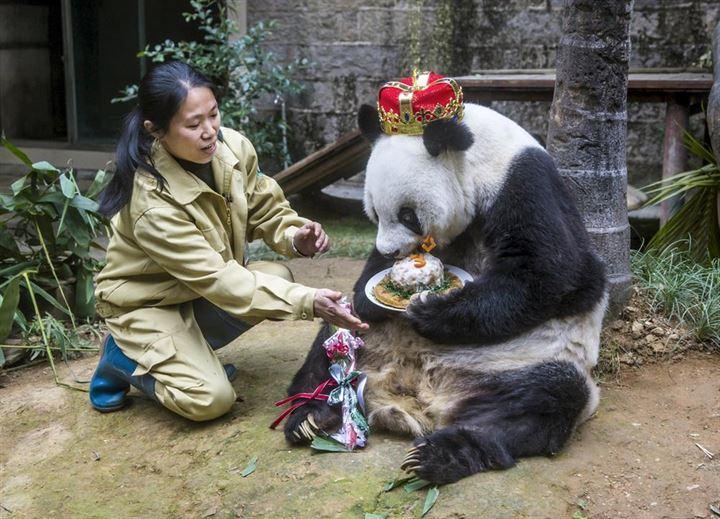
<point x="406" y="106"/>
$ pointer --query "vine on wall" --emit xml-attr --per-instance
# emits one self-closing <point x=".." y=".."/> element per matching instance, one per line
<point x="438" y="36"/>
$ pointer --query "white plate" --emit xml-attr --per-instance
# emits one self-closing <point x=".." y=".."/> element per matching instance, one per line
<point x="464" y="277"/>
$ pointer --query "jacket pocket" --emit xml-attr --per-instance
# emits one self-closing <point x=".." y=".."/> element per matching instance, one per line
<point x="156" y="353"/>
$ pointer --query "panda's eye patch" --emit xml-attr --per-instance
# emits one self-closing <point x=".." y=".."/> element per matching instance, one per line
<point x="409" y="219"/>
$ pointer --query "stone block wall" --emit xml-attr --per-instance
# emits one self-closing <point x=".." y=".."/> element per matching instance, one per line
<point x="356" y="45"/>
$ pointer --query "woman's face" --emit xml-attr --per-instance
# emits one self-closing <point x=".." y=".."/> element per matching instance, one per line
<point x="193" y="130"/>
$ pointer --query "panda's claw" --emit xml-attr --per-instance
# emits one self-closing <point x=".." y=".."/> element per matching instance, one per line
<point x="307" y="431"/>
<point x="410" y="456"/>
<point x="408" y="464"/>
<point x="313" y="426"/>
<point x="409" y="461"/>
<point x="412" y="468"/>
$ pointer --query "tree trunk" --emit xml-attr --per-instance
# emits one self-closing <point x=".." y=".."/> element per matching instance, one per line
<point x="588" y="123"/>
<point x="713" y="109"/>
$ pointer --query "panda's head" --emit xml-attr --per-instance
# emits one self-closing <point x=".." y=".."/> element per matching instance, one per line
<point x="414" y="185"/>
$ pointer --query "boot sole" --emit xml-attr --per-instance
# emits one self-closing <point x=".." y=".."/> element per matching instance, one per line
<point x="111" y="409"/>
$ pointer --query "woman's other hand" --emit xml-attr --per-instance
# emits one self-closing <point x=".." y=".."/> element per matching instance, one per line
<point x="311" y="239"/>
<point x="326" y="307"/>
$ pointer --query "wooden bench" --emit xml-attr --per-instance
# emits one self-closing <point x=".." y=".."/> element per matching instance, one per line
<point x="682" y="92"/>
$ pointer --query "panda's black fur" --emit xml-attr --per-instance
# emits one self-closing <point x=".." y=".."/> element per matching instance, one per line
<point x="501" y="368"/>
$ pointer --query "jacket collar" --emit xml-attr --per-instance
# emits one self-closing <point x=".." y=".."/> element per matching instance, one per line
<point x="183" y="186"/>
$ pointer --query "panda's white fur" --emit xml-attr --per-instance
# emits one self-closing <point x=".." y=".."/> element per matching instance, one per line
<point x="476" y="397"/>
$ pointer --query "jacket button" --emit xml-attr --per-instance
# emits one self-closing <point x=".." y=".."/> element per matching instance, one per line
<point x="304" y="315"/>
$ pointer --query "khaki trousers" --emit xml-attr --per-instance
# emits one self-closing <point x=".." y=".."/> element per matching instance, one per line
<point x="168" y="343"/>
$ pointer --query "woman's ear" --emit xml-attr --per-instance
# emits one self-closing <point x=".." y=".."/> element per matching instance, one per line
<point x="150" y="128"/>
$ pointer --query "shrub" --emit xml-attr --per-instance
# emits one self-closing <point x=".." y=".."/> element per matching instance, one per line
<point x="47" y="229"/>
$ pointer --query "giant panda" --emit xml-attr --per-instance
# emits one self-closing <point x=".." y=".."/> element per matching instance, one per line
<point x="499" y="369"/>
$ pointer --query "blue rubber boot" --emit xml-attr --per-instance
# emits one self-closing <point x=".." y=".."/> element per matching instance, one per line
<point x="113" y="377"/>
<point x="230" y="371"/>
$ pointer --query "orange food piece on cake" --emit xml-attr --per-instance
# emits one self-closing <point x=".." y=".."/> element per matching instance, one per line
<point x="428" y="243"/>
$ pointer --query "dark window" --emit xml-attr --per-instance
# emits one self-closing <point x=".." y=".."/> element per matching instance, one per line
<point x="32" y="75"/>
<point x="46" y="95"/>
<point x="107" y="35"/>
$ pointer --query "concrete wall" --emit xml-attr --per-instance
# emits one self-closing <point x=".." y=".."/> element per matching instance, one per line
<point x="356" y="45"/>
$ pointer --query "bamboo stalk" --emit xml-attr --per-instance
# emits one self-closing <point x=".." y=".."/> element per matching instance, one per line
<point x="45" y="339"/>
<point x="52" y="269"/>
<point x="29" y="347"/>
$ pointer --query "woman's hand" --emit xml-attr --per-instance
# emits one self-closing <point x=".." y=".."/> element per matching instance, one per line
<point x="311" y="239"/>
<point x="326" y="306"/>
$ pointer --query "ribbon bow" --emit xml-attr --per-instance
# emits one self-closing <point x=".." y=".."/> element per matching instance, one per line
<point x="337" y="395"/>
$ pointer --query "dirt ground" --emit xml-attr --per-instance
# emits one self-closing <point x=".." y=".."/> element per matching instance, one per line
<point x="59" y="458"/>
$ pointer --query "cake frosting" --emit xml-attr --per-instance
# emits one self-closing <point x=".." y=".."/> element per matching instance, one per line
<point x="417" y="271"/>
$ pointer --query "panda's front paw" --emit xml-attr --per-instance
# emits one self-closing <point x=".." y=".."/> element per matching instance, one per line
<point x="431" y="316"/>
<point x="307" y="421"/>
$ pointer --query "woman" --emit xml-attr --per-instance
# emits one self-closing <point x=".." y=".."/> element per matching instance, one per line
<point x="185" y="199"/>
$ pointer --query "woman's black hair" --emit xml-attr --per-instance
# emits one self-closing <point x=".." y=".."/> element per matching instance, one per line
<point x="161" y="93"/>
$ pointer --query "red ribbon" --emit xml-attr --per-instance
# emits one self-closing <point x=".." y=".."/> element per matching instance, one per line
<point x="317" y="394"/>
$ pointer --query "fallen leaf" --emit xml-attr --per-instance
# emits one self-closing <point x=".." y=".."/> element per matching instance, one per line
<point x="432" y="496"/>
<point x="327" y="445"/>
<point x="252" y="464"/>
<point x="396" y="483"/>
<point x="416" y="484"/>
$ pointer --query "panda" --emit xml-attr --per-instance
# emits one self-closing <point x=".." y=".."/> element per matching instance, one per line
<point x="499" y="369"/>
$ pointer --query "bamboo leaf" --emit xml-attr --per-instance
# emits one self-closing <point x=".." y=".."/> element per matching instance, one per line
<point x="8" y="243"/>
<point x="62" y="216"/>
<point x="10" y="300"/>
<point x="98" y="184"/>
<point x="43" y="165"/>
<point x="67" y="186"/>
<point x="18" y="185"/>
<point x="15" y="151"/>
<point x="250" y="468"/>
<point x="327" y="445"/>
<point x="17" y="269"/>
<point x="82" y="202"/>
<point x="50" y="299"/>
<point x="416" y="484"/>
<point x="396" y="483"/>
<point x="432" y="496"/>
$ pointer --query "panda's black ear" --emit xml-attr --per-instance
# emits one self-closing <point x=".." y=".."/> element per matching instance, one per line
<point x="446" y="134"/>
<point x="369" y="122"/>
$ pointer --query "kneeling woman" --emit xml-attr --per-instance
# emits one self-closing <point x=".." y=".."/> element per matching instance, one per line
<point x="185" y="199"/>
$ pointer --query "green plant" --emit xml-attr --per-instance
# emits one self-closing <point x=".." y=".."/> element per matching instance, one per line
<point x="47" y="229"/>
<point x="245" y="73"/>
<point x="696" y="223"/>
<point x="682" y="288"/>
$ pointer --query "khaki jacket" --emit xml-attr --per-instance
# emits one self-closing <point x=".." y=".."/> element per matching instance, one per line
<point x="173" y="245"/>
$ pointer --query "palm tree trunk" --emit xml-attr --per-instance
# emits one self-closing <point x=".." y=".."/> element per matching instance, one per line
<point x="588" y="123"/>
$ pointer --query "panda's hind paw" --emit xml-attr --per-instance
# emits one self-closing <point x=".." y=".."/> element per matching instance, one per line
<point x="427" y="461"/>
<point x="451" y="454"/>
